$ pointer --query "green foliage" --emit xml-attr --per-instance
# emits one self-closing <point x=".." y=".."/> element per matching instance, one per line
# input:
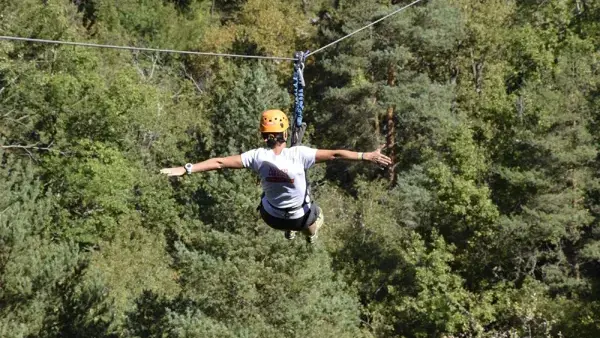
<point x="236" y="280"/>
<point x="33" y="267"/>
<point x="239" y="97"/>
<point x="491" y="228"/>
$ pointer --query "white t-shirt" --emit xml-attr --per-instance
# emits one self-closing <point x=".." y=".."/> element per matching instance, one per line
<point x="282" y="177"/>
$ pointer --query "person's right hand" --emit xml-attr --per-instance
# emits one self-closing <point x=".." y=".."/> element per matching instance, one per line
<point x="377" y="157"/>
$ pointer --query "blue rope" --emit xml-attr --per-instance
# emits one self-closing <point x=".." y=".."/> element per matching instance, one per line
<point x="298" y="81"/>
<point x="299" y="84"/>
<point x="299" y="100"/>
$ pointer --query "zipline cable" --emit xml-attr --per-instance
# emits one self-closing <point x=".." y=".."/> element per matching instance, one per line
<point x="84" y="44"/>
<point x="365" y="27"/>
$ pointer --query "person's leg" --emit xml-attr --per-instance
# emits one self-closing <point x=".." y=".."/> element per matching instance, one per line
<point x="309" y="224"/>
<point x="316" y="221"/>
<point x="290" y="234"/>
<point x="289" y="226"/>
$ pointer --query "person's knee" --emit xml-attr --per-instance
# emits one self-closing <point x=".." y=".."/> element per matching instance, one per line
<point x="311" y="229"/>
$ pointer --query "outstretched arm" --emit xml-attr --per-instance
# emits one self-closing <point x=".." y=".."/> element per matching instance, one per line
<point x="233" y="162"/>
<point x="374" y="156"/>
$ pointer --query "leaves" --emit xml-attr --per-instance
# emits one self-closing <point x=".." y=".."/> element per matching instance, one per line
<point x="488" y="228"/>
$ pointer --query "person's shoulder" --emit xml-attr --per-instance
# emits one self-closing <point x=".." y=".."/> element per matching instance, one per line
<point x="301" y="150"/>
<point x="252" y="157"/>
<point x="292" y="150"/>
<point x="305" y="149"/>
<point x="257" y="152"/>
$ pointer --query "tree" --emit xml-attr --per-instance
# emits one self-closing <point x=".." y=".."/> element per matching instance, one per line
<point x="34" y="267"/>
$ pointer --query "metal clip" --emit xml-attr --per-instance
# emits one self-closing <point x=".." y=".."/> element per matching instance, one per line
<point x="300" y="59"/>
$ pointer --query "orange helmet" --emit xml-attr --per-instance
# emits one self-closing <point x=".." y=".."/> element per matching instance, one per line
<point x="273" y="121"/>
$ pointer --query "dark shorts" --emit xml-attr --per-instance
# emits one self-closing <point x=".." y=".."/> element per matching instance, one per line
<point x="298" y="224"/>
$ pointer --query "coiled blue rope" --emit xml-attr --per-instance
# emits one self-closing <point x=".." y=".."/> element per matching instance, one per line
<point x="299" y="84"/>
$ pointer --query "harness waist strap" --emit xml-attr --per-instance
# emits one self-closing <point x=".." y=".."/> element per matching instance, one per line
<point x="288" y="210"/>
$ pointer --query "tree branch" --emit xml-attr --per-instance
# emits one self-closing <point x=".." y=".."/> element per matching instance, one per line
<point x="155" y="58"/>
<point x="10" y="83"/>
<point x="29" y="147"/>
<point x="191" y="78"/>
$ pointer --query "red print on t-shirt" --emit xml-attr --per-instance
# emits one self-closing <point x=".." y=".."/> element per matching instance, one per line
<point x="277" y="175"/>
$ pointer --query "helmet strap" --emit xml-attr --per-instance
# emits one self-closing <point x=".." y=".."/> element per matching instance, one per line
<point x="273" y="139"/>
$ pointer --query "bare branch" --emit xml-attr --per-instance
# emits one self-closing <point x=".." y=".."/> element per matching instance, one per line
<point x="191" y="78"/>
<point x="136" y="63"/>
<point x="155" y="58"/>
<point x="29" y="147"/>
<point x="10" y="83"/>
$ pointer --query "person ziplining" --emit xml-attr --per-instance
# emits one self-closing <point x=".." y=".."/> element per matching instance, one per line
<point x="286" y="203"/>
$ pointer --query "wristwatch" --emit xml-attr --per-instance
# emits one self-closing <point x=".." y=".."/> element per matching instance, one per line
<point x="188" y="168"/>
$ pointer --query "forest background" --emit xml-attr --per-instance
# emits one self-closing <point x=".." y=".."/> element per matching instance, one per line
<point x="486" y="226"/>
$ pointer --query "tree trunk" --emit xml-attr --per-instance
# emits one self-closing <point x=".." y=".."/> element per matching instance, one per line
<point x="391" y="127"/>
<point x="377" y="117"/>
